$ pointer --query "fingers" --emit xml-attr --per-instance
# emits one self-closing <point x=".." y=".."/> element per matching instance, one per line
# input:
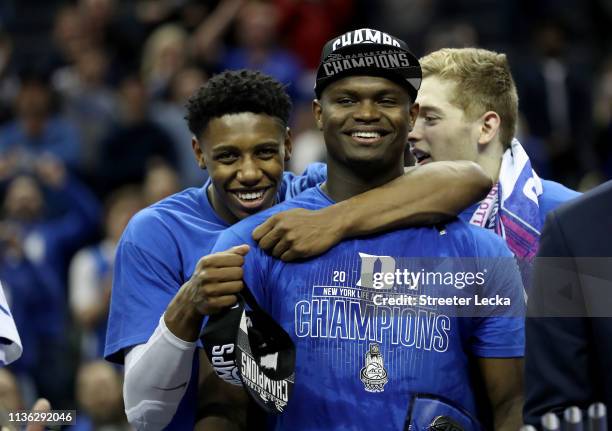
<point x="41" y="405"/>
<point x="241" y="249"/>
<point x="281" y="247"/>
<point x="220" y="303"/>
<point x="290" y="255"/>
<point x="261" y="230"/>
<point x="271" y="239"/>
<point x="229" y="258"/>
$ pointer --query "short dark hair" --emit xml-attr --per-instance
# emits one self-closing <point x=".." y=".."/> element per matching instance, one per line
<point x="234" y="92"/>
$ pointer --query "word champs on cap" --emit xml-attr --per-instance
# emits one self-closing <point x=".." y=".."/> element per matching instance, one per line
<point x="364" y="35"/>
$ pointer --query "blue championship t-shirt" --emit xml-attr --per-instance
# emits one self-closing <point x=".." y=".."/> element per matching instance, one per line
<point x="157" y="255"/>
<point x="362" y="353"/>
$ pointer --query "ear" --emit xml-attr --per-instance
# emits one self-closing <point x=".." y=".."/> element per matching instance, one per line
<point x="414" y="113"/>
<point x="317" y="111"/>
<point x="288" y="144"/>
<point x="198" y="153"/>
<point x="489" y="128"/>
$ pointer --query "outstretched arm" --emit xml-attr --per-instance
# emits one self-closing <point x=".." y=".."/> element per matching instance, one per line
<point x="425" y="195"/>
<point x="503" y="378"/>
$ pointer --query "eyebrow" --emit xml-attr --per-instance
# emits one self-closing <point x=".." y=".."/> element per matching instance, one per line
<point x="228" y="147"/>
<point x="428" y="108"/>
<point x="377" y="93"/>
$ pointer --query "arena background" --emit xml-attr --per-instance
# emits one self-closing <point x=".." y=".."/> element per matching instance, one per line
<point x="92" y="129"/>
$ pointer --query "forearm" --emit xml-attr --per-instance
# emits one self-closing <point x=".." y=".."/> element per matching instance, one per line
<point x="182" y="319"/>
<point x="425" y="195"/>
<point x="508" y="415"/>
<point x="156" y="378"/>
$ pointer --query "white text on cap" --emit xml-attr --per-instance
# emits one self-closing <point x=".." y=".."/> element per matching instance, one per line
<point x="364" y="36"/>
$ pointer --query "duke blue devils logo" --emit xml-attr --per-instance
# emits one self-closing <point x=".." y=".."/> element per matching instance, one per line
<point x="373" y="374"/>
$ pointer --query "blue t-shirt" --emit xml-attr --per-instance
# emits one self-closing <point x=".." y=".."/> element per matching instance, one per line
<point x="157" y="255"/>
<point x="349" y="341"/>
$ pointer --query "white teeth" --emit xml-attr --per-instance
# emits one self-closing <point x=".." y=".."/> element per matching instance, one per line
<point x="365" y="135"/>
<point x="250" y="196"/>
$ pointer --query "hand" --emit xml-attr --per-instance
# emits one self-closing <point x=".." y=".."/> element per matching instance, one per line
<point x="298" y="234"/>
<point x="216" y="280"/>
<point x="41" y="405"/>
<point x="51" y="171"/>
<point x="10" y="238"/>
<point x="8" y="166"/>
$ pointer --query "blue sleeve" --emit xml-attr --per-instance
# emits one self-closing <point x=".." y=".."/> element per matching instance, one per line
<point x="146" y="278"/>
<point x="293" y="184"/>
<point x="499" y="330"/>
<point x="256" y="262"/>
<point x="553" y="195"/>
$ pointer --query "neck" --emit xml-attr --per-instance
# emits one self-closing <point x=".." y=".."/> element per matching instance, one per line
<point x="490" y="160"/>
<point x="221" y="210"/>
<point x="344" y="183"/>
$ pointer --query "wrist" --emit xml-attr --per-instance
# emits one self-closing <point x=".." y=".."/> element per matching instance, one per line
<point x="183" y="320"/>
<point x="341" y="220"/>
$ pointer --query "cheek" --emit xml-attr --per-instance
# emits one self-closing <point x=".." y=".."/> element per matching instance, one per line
<point x="273" y="168"/>
<point x="220" y="174"/>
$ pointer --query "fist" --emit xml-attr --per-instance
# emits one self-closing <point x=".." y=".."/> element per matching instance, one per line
<point x="216" y="280"/>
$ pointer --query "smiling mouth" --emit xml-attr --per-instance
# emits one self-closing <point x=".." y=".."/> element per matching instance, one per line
<point x="251" y="199"/>
<point x="367" y="137"/>
<point x="421" y="157"/>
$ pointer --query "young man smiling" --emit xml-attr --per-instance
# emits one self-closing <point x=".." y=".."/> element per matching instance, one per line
<point x="164" y="282"/>
<point x="360" y="365"/>
<point x="468" y="110"/>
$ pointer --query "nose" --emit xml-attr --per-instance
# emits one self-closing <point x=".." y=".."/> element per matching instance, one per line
<point x="249" y="173"/>
<point x="416" y="134"/>
<point x="366" y="111"/>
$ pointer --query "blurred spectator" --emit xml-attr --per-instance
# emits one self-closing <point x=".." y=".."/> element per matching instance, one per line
<point x="11" y="401"/>
<point x="10" y="396"/>
<point x="38" y="129"/>
<point x="88" y="101"/>
<point x="406" y="19"/>
<point x="453" y="34"/>
<point x="170" y="116"/>
<point x="306" y="25"/>
<point x="68" y="38"/>
<point x="258" y="47"/>
<point x="556" y="101"/>
<point x="308" y="145"/>
<point x="9" y="82"/>
<point x="35" y="251"/>
<point x="111" y="25"/>
<point x="603" y="118"/>
<point x="152" y="13"/>
<point x="91" y="270"/>
<point x="160" y="181"/>
<point x="163" y="56"/>
<point x="127" y="150"/>
<point x="206" y="45"/>
<point x="100" y="399"/>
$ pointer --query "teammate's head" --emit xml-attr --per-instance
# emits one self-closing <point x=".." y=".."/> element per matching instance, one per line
<point x="468" y="106"/>
<point x="239" y="123"/>
<point x="366" y="85"/>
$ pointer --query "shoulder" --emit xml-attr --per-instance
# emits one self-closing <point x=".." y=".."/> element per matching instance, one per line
<point x="553" y="195"/>
<point x="478" y="241"/>
<point x="594" y="206"/>
<point x="242" y="230"/>
<point x="162" y="218"/>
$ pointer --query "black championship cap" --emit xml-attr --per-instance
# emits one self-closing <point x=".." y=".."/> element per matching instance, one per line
<point x="245" y="344"/>
<point x="368" y="52"/>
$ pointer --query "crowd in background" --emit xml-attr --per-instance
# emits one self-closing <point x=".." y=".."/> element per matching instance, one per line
<point x="92" y="97"/>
